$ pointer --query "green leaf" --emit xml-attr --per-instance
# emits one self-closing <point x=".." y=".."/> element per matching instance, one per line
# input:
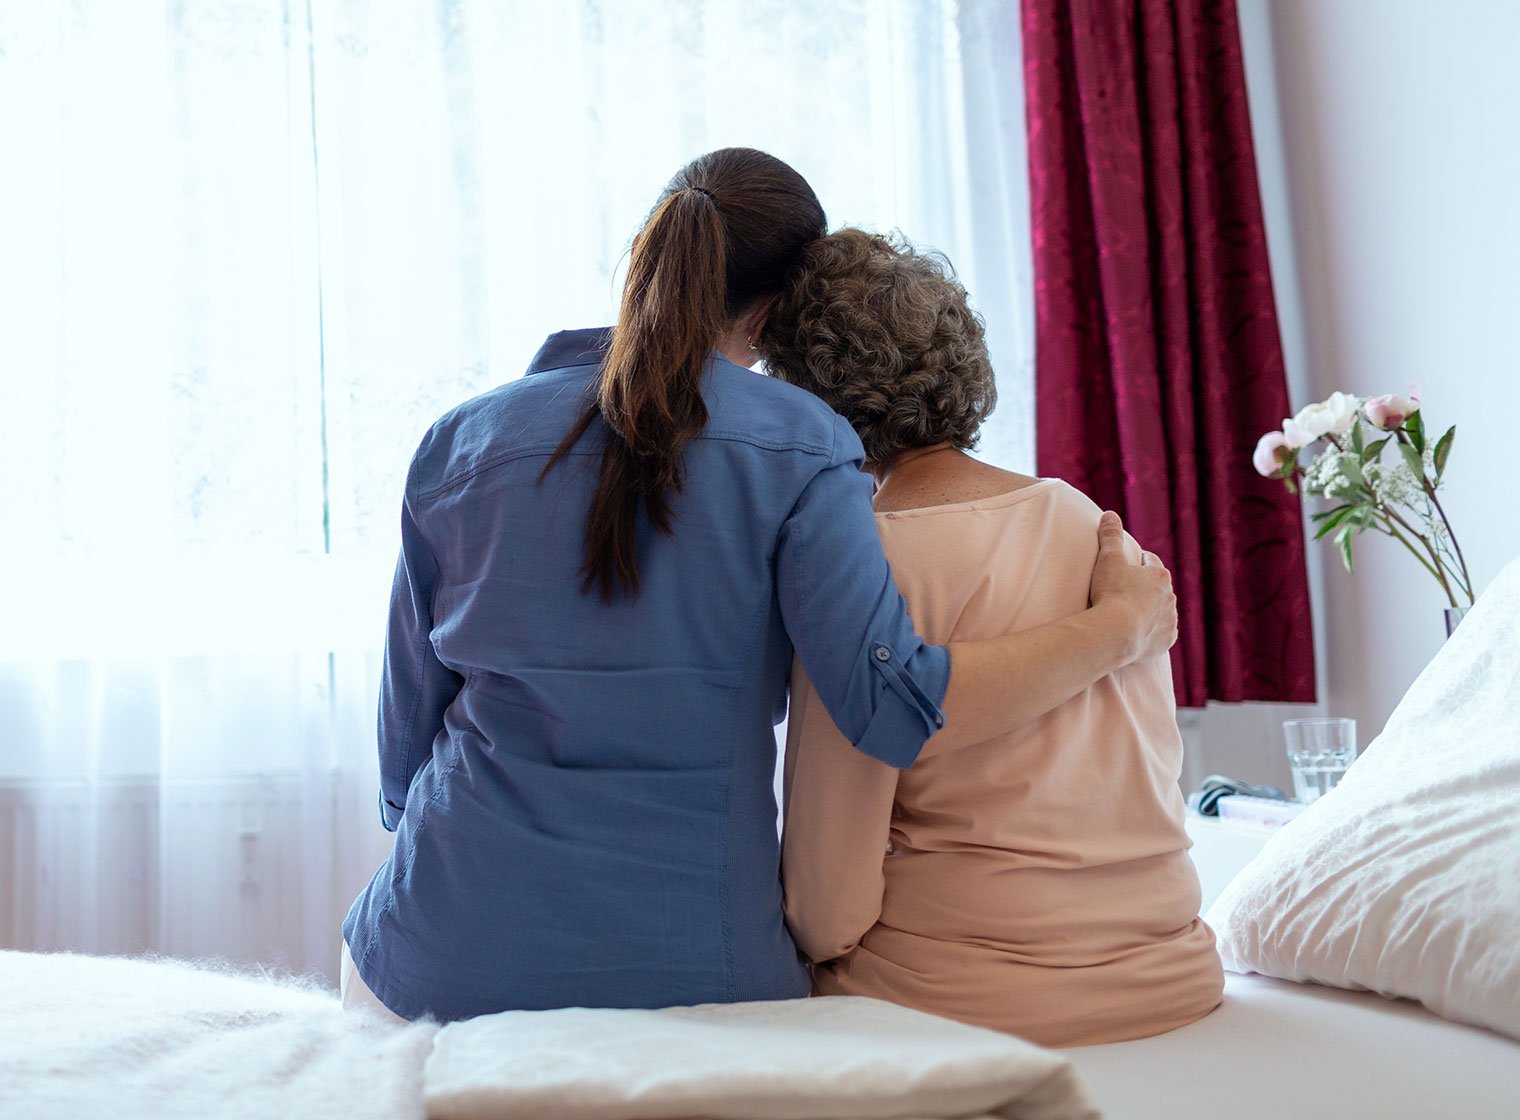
<point x="1415" y="426"/>
<point x="1333" y="521"/>
<point x="1413" y="459"/>
<point x="1330" y="512"/>
<point x="1356" y="437"/>
<point x="1351" y="471"/>
<point x="1374" y="449"/>
<point x="1443" y="450"/>
<point x="1344" y="541"/>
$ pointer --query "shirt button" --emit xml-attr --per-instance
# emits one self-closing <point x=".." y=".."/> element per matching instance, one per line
<point x="883" y="653"/>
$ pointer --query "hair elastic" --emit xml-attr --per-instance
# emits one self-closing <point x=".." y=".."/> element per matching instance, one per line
<point x="704" y="190"/>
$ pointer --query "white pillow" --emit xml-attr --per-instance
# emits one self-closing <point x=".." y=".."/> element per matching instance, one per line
<point x="1405" y="879"/>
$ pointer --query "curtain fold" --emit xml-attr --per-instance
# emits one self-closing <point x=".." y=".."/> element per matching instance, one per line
<point x="1158" y="358"/>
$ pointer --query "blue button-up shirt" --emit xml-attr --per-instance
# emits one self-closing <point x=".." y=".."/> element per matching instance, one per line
<point x="582" y="792"/>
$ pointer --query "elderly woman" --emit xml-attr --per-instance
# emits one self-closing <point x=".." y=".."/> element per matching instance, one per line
<point x="1038" y="882"/>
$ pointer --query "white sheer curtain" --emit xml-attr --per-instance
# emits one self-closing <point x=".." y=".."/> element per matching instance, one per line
<point x="248" y="252"/>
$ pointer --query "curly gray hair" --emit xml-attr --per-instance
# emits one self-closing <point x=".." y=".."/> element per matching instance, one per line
<point x="885" y="335"/>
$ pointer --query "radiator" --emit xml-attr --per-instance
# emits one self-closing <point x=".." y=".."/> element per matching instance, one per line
<point x="254" y="870"/>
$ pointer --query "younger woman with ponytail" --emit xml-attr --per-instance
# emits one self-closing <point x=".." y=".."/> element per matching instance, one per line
<point x="606" y="568"/>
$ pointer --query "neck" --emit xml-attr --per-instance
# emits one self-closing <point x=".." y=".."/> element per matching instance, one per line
<point x="734" y="345"/>
<point x="909" y="465"/>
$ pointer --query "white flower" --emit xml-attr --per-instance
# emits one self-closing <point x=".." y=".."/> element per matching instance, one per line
<point x="1393" y="485"/>
<point x="1336" y="413"/>
<point x="1325" y="475"/>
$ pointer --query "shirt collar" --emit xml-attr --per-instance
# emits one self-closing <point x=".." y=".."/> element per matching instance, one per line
<point x="572" y="348"/>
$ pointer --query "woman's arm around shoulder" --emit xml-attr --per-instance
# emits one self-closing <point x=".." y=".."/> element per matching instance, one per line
<point x="888" y="690"/>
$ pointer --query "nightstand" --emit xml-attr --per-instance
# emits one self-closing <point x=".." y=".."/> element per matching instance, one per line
<point x="1221" y="849"/>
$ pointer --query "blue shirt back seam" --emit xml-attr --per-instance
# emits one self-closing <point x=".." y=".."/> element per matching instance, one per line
<point x="547" y="449"/>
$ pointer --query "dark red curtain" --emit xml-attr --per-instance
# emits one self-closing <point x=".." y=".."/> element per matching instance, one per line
<point x="1158" y="358"/>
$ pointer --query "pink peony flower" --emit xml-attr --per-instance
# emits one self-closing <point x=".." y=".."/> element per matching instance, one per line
<point x="1272" y="451"/>
<point x="1390" y="411"/>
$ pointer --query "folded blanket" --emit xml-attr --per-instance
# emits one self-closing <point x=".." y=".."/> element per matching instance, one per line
<point x="811" y="1059"/>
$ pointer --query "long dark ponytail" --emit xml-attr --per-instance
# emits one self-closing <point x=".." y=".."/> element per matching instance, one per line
<point x="728" y="230"/>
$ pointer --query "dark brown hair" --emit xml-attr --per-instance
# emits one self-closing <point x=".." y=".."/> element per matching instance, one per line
<point x="728" y="230"/>
<point x="886" y="336"/>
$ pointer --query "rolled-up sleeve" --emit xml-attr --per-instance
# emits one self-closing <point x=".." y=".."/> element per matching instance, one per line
<point x="879" y="681"/>
<point x="415" y="687"/>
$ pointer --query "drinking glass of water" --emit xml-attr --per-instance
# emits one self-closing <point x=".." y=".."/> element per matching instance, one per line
<point x="1319" y="751"/>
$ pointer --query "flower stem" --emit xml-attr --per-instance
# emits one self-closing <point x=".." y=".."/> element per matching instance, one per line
<point x="1398" y="536"/>
<point x="1459" y="570"/>
<point x="1462" y="575"/>
<point x="1439" y="571"/>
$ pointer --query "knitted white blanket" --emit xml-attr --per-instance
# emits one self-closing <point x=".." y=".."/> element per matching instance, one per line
<point x="84" y="1037"/>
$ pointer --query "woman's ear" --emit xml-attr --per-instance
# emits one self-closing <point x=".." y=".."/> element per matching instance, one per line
<point x="754" y="319"/>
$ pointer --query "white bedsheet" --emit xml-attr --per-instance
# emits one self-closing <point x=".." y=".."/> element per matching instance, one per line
<point x="1278" y="1050"/>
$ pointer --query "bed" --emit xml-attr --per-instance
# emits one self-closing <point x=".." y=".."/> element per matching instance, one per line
<point x="1278" y="1049"/>
<point x="1404" y="879"/>
<point x="90" y="1036"/>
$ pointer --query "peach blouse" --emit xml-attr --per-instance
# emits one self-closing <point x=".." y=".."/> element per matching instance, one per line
<point x="1037" y="883"/>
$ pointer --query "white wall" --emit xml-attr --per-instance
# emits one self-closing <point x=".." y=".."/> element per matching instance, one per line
<point x="1388" y="146"/>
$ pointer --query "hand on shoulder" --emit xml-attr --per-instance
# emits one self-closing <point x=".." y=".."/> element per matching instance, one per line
<point x="1137" y="595"/>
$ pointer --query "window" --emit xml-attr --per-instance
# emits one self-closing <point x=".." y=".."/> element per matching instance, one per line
<point x="249" y="251"/>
